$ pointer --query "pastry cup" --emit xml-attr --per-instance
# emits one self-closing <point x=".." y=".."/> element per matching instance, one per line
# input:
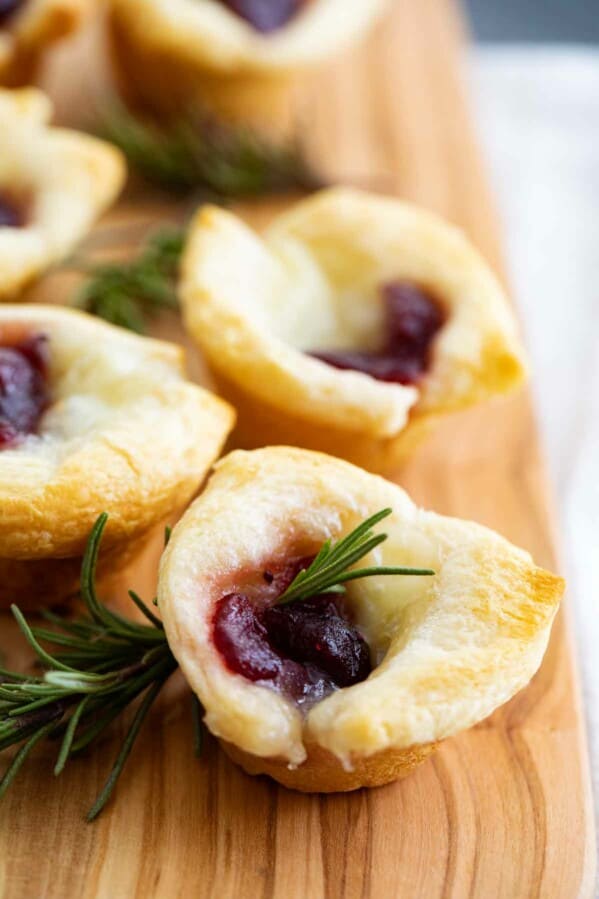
<point x="449" y="649"/>
<point x="64" y="179"/>
<point x="178" y="54"/>
<point x="124" y="433"/>
<point x="30" y="31"/>
<point x="255" y="305"/>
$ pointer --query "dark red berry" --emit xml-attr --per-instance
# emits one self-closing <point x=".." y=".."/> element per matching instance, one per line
<point x="11" y="215"/>
<point x="383" y="367"/>
<point x="23" y="388"/>
<point x="304" y="649"/>
<point x="265" y="15"/>
<point x="314" y="631"/>
<point x="242" y="640"/>
<point x="412" y="320"/>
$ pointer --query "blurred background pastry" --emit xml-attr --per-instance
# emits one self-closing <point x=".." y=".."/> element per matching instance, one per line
<point x="236" y="59"/>
<point x="54" y="184"/>
<point x="28" y="28"/>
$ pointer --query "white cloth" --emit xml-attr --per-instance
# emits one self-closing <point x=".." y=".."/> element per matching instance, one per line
<point x="538" y="118"/>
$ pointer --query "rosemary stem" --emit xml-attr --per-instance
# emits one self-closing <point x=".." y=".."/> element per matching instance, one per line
<point x="123" y="755"/>
<point x="113" y="708"/>
<point x="146" y="611"/>
<point x="67" y="742"/>
<point x="332" y="565"/>
<point x="107" y="662"/>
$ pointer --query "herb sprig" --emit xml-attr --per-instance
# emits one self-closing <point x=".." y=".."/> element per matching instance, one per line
<point x="106" y="663"/>
<point x="331" y="568"/>
<point x="128" y="293"/>
<point x="198" y="153"/>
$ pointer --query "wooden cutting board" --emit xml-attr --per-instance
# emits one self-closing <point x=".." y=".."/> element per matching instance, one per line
<point x="501" y="811"/>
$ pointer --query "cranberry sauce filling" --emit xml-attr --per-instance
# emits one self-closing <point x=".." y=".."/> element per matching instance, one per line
<point x="264" y="15"/>
<point x="412" y="319"/>
<point x="23" y="388"/>
<point x="12" y="214"/>
<point x="7" y="9"/>
<point x="304" y="649"/>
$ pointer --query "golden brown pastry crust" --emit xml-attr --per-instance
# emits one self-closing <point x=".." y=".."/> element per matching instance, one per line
<point x="259" y="423"/>
<point x="322" y="773"/>
<point x="176" y="53"/>
<point x="49" y="582"/>
<point x="449" y="649"/>
<point x="38" y="25"/>
<point x="68" y="178"/>
<point x="126" y="433"/>
<point x="312" y="282"/>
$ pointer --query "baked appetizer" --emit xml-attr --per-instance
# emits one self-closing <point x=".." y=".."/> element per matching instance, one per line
<point x="326" y="690"/>
<point x="234" y="58"/>
<point x="53" y="184"/>
<point x="351" y="325"/>
<point x="27" y="28"/>
<point x="92" y="419"/>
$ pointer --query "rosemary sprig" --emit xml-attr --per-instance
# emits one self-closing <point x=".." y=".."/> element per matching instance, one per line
<point x="127" y="293"/>
<point x="198" y="153"/>
<point x="106" y="663"/>
<point x="331" y="568"/>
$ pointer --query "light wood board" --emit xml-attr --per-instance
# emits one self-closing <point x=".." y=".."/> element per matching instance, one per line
<point x="501" y="811"/>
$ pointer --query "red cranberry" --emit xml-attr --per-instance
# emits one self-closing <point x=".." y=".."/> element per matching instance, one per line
<point x="314" y="631"/>
<point x="11" y="216"/>
<point x="242" y="640"/>
<point x="23" y="389"/>
<point x="304" y="649"/>
<point x="265" y="15"/>
<point x="7" y="9"/>
<point x="383" y="367"/>
<point x="412" y="320"/>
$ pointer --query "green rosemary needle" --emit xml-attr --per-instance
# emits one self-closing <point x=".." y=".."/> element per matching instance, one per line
<point x="128" y="293"/>
<point x="198" y="153"/>
<point x="106" y="662"/>
<point x="331" y="567"/>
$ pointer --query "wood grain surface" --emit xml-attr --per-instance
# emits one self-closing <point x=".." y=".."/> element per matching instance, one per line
<point x="501" y="811"/>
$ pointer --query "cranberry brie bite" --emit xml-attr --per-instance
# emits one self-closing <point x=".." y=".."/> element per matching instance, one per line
<point x="54" y="183"/>
<point x="326" y="690"/>
<point x="92" y="419"/>
<point x="28" y="28"/>
<point x="233" y="58"/>
<point x="349" y="327"/>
